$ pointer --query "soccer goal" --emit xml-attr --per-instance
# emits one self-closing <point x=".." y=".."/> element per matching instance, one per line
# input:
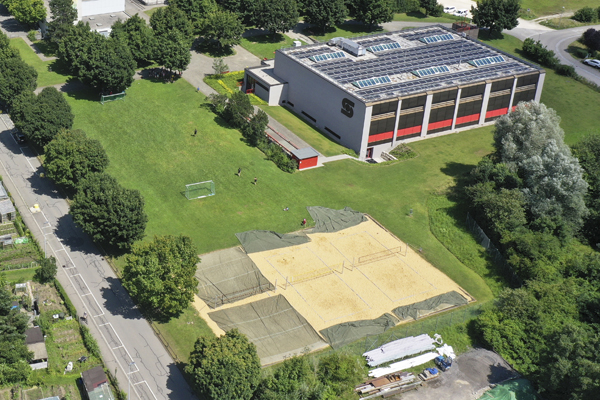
<point x="199" y="190"/>
<point x="112" y="97"/>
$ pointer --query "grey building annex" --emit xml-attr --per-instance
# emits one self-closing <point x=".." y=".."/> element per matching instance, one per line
<point x="370" y="92"/>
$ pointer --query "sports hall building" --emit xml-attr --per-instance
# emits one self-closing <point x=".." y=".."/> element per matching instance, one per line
<point x="368" y="93"/>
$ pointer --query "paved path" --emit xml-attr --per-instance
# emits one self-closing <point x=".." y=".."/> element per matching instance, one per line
<point x="122" y="333"/>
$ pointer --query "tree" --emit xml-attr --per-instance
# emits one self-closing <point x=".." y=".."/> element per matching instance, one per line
<point x="166" y="19"/>
<point x="407" y="6"/>
<point x="276" y="15"/>
<point x="530" y="142"/>
<point x="47" y="270"/>
<point x="254" y="130"/>
<point x="223" y="28"/>
<point x="16" y="77"/>
<point x="196" y="10"/>
<point x="14" y="354"/>
<point x="73" y="45"/>
<point x="238" y="110"/>
<point x="109" y="213"/>
<point x="110" y="65"/>
<point x="63" y="16"/>
<point x="325" y="13"/>
<point x="219" y="66"/>
<point x="138" y="36"/>
<point x="587" y="152"/>
<point x="591" y="38"/>
<point x="28" y="12"/>
<point x="160" y="275"/>
<point x="341" y="372"/>
<point x="496" y="15"/>
<point x="173" y="51"/>
<point x="586" y="14"/>
<point x="6" y="50"/>
<point x="295" y="378"/>
<point x="40" y="118"/>
<point x="429" y="6"/>
<point x="71" y="156"/>
<point x="373" y="12"/>
<point x="224" y="368"/>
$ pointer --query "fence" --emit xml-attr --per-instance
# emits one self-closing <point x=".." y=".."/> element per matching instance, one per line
<point x="239" y="295"/>
<point x="10" y="267"/>
<point x="497" y="257"/>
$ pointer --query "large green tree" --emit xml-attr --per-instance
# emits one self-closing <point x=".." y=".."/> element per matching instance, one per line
<point x="496" y="15"/>
<point x="173" y="51"/>
<point x="71" y="156"/>
<point x="160" y="275"/>
<point x="429" y="6"/>
<point x="16" y="77"/>
<point x="138" y="36"/>
<point x="224" y="368"/>
<point x="6" y="50"/>
<point x="238" y="110"/>
<point x="40" y="118"/>
<point x="587" y="151"/>
<point x="111" y="214"/>
<point x="341" y="372"/>
<point x="373" y="12"/>
<point x="196" y="10"/>
<point x="324" y="13"/>
<point x="47" y="271"/>
<point x="74" y="45"/>
<point x="223" y="28"/>
<point x="63" y="16"/>
<point x="166" y="19"/>
<point x="276" y="15"/>
<point x="28" y="12"/>
<point x="14" y="354"/>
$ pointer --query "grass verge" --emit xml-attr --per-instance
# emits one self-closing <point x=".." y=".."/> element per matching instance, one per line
<point x="539" y="8"/>
<point x="564" y="23"/>
<point x="264" y="46"/>
<point x="347" y="29"/>
<point x="305" y="131"/>
<point x="419" y="16"/>
<point x="49" y="72"/>
<point x="20" y="275"/>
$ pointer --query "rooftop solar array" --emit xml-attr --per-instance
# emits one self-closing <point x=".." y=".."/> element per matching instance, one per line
<point x="328" y="56"/>
<point x="383" y="47"/>
<point x="437" y="38"/>
<point x="373" y="81"/>
<point x="431" y="71"/>
<point x="487" y="61"/>
<point x="403" y="61"/>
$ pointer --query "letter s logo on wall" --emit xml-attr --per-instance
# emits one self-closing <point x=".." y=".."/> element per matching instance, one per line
<point x="348" y="108"/>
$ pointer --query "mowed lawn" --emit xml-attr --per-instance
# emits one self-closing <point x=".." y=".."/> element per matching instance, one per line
<point x="47" y="70"/>
<point x="148" y="137"/>
<point x="264" y="46"/>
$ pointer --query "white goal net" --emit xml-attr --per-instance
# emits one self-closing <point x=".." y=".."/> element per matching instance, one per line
<point x="199" y="190"/>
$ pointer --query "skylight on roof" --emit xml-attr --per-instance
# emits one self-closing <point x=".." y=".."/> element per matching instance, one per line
<point x="372" y="82"/>
<point x="437" y="38"/>
<point x="431" y="71"/>
<point x="383" y="47"/>
<point x="487" y="61"/>
<point x="328" y="56"/>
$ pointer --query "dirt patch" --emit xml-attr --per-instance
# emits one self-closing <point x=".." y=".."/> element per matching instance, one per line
<point x="470" y="376"/>
<point x="48" y="298"/>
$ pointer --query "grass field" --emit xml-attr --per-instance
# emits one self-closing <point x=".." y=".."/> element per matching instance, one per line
<point x="418" y="16"/>
<point x="305" y="131"/>
<point x="49" y="72"/>
<point x="548" y="7"/>
<point x="20" y="275"/>
<point x="346" y="29"/>
<point x="564" y="23"/>
<point x="264" y="46"/>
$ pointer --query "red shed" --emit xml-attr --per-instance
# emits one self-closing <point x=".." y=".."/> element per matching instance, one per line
<point x="306" y="157"/>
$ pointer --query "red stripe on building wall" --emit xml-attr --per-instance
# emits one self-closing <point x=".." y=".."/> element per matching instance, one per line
<point x="308" y="162"/>
<point x="514" y="108"/>
<point x="408" y="131"/>
<point x="467" y="118"/>
<point x="439" y="124"/>
<point x="495" y="113"/>
<point x="381" y="136"/>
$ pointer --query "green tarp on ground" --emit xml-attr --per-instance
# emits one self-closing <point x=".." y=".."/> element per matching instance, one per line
<point x="273" y="325"/>
<point x="329" y="220"/>
<point x="257" y="241"/>
<point x="518" y="389"/>
<point x="348" y="332"/>
<point x="229" y="275"/>
<point x="415" y="310"/>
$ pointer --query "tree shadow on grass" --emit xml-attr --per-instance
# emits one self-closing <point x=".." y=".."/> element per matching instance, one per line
<point x="352" y="26"/>
<point x="417" y="14"/>
<point x="267" y="38"/>
<point x="213" y="50"/>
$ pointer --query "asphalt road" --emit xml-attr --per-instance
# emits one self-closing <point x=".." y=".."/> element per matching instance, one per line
<point x="127" y="342"/>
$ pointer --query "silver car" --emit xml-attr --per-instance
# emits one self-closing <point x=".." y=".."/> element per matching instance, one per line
<point x="592" y="62"/>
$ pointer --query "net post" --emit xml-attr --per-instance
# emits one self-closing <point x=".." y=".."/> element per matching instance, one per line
<point x="286" y="282"/>
<point x="275" y="291"/>
<point x="343" y="266"/>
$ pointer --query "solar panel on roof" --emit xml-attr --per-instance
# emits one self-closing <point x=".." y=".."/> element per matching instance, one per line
<point x="437" y="38"/>
<point x="327" y="56"/>
<point x="431" y="71"/>
<point x="383" y="47"/>
<point x="487" y="61"/>
<point x="372" y="81"/>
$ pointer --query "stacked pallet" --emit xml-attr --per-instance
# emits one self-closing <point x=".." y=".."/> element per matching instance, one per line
<point x="399" y="349"/>
<point x="384" y="385"/>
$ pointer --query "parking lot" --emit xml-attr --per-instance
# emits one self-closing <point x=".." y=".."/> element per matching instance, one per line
<point x="471" y="373"/>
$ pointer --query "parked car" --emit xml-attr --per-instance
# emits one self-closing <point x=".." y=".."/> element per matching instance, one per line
<point x="449" y="9"/>
<point x="19" y="137"/>
<point x="461" y="13"/>
<point x="592" y="62"/>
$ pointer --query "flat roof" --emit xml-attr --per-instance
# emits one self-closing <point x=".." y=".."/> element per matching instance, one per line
<point x="398" y="57"/>
<point x="304" y="153"/>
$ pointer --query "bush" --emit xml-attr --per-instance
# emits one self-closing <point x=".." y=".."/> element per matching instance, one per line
<point x="438" y="11"/>
<point x="591" y="38"/>
<point x="47" y="270"/>
<point x="278" y="156"/>
<point x="537" y="52"/>
<point x="31" y="35"/>
<point x="63" y="295"/>
<point x="580" y="53"/>
<point x="586" y="14"/>
<point x="566" y="70"/>
<point x="89" y="342"/>
<point x="406" y="6"/>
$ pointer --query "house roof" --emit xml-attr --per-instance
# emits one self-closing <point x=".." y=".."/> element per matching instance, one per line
<point x="34" y="335"/>
<point x="3" y="193"/>
<point x="304" y="153"/>
<point x="6" y="206"/>
<point x="102" y="392"/>
<point x="39" y="351"/>
<point x="397" y="64"/>
<point x="93" y="378"/>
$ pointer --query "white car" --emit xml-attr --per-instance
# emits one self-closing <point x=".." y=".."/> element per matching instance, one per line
<point x="449" y="9"/>
<point x="592" y="62"/>
<point x="461" y="13"/>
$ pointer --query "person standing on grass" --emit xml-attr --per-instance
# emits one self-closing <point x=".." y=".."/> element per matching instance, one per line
<point x="304" y="222"/>
<point x="195" y="131"/>
<point x="255" y="180"/>
<point x="240" y="171"/>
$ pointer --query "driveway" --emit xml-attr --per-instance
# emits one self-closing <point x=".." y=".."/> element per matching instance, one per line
<point x="471" y="375"/>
